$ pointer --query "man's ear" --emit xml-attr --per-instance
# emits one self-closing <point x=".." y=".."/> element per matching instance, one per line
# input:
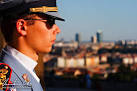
<point x="21" y="27"/>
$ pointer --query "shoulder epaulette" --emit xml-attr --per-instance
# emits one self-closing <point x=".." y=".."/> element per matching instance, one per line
<point x="5" y="76"/>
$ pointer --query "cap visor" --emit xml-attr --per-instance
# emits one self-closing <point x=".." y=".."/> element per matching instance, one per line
<point x="55" y="15"/>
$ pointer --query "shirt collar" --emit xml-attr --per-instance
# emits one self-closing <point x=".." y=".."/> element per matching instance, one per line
<point x="26" y="61"/>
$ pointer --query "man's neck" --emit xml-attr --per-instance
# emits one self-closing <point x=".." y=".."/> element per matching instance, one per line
<point x="26" y="51"/>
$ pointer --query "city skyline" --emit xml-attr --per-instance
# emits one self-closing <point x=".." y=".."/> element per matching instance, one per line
<point x="117" y="19"/>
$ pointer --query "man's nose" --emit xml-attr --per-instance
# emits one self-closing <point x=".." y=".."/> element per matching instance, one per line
<point x="56" y="29"/>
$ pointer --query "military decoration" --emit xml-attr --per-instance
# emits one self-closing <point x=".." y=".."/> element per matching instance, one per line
<point x="5" y="75"/>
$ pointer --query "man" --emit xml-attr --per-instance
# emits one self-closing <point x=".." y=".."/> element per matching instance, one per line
<point x="29" y="28"/>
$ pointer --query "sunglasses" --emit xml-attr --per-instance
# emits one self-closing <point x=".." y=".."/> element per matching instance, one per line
<point x="50" y="22"/>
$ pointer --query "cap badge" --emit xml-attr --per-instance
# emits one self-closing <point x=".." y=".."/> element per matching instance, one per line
<point x="43" y="9"/>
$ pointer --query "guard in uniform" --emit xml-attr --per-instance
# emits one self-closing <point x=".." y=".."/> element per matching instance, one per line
<point x="29" y="28"/>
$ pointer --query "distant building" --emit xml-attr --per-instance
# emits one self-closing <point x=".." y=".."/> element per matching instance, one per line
<point x="92" y="61"/>
<point x="135" y="59"/>
<point x="80" y="62"/>
<point x="128" y="60"/>
<point x="94" y="39"/>
<point x="103" y="58"/>
<point x="99" y="36"/>
<point x="121" y="42"/>
<point x="70" y="62"/>
<point x="78" y="37"/>
<point x="126" y="42"/>
<point x="61" y="62"/>
<point x="66" y="44"/>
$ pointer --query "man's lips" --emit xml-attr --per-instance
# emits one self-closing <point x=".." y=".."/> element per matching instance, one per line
<point x="53" y="41"/>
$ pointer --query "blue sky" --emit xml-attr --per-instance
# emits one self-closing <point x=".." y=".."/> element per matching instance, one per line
<point x="116" y="18"/>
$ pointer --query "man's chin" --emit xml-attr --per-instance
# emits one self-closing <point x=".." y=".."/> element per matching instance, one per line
<point x="47" y="50"/>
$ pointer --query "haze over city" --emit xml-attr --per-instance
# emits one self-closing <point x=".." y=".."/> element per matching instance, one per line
<point x="117" y="19"/>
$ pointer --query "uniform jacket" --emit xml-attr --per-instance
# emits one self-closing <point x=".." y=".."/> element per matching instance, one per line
<point x="17" y="72"/>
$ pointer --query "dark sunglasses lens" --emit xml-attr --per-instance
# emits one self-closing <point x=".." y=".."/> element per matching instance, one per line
<point x="51" y="22"/>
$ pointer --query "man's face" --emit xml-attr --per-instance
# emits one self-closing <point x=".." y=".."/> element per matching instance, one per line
<point x="41" y="35"/>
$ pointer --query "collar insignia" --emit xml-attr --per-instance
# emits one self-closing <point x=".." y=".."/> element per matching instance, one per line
<point x="25" y="77"/>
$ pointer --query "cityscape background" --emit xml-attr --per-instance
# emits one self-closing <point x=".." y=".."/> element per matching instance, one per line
<point x="117" y="19"/>
<point x="96" y="49"/>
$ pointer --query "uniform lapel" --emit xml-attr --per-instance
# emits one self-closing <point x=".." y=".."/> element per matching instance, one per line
<point x="20" y="70"/>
